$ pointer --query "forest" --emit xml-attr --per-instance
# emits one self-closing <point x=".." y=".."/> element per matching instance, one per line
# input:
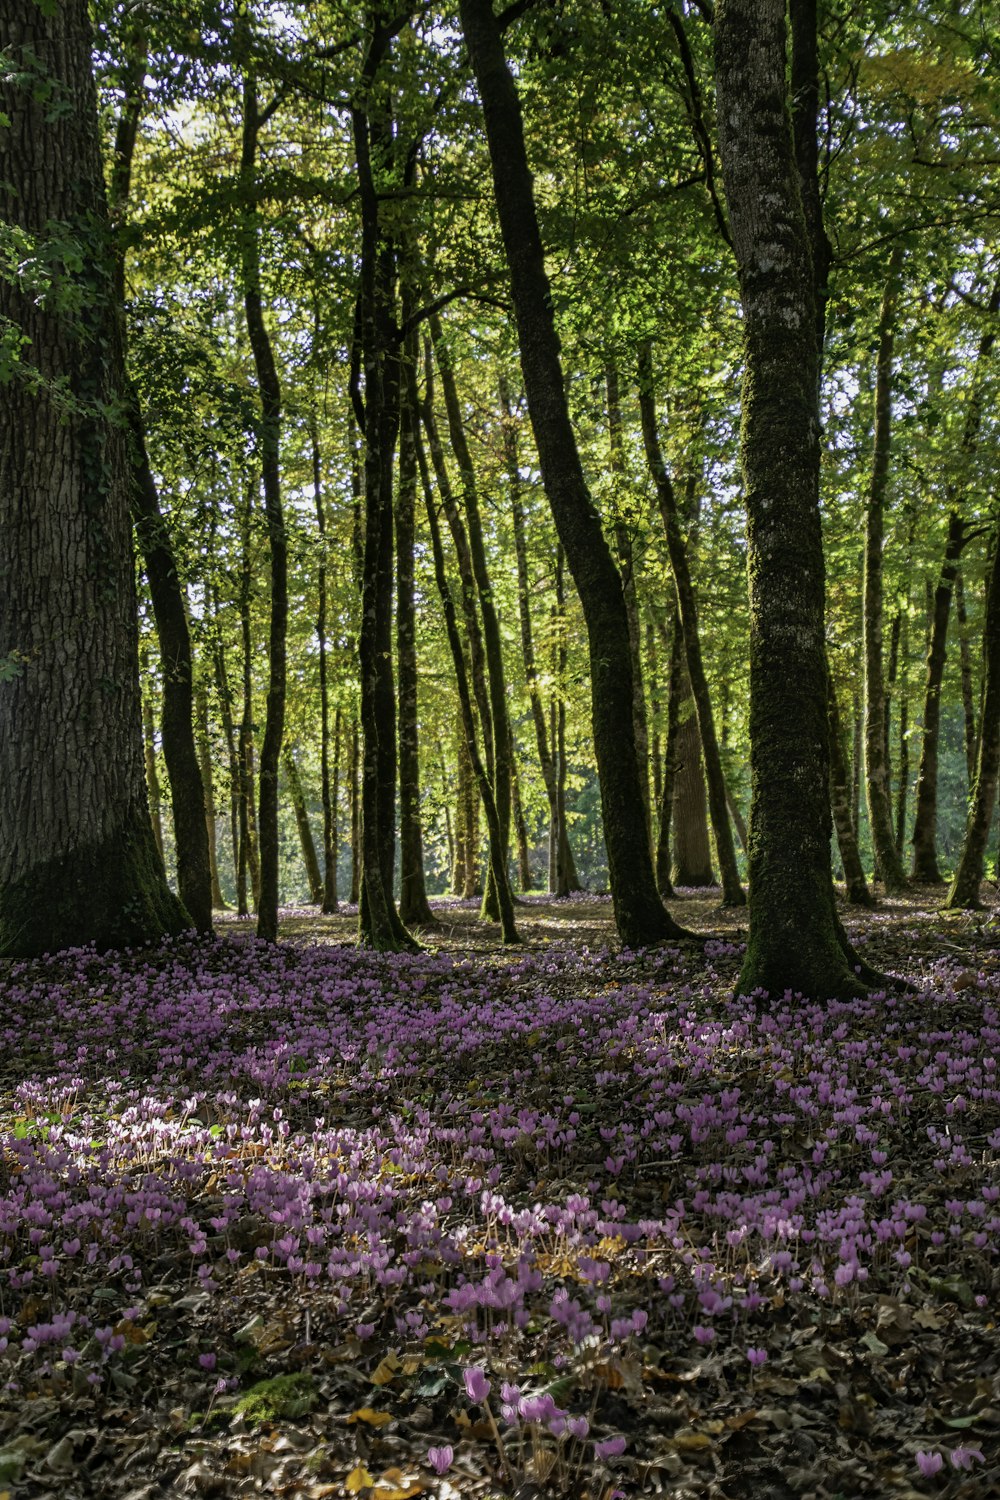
<point x="499" y="749"/>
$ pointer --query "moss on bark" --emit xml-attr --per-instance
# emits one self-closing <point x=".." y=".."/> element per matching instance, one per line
<point x="113" y="895"/>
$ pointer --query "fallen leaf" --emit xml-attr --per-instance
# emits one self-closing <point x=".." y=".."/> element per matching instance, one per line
<point x="388" y="1369"/>
<point x="371" y="1417"/>
<point x="357" y="1480"/>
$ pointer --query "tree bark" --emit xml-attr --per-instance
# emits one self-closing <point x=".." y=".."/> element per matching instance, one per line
<point x="269" y="443"/>
<point x="310" y="859"/>
<point x="639" y="913"/>
<point x="78" y="862"/>
<point x="180" y="754"/>
<point x="732" y="890"/>
<point x="858" y="893"/>
<point x="492" y="641"/>
<point x="925" y="865"/>
<point x="670" y="756"/>
<point x="626" y="564"/>
<point x="887" y="861"/>
<point x="414" y="908"/>
<point x="795" y="940"/>
<point x="380" y="926"/>
<point x="498" y="863"/>
<point x="327" y="794"/>
<point x="692" y="851"/>
<point x="964" y="892"/>
<point x="208" y="784"/>
<point x="968" y="696"/>
<point x="152" y="773"/>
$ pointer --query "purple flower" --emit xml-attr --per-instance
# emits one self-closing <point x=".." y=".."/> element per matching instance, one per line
<point x="476" y="1385"/>
<point x="207" y="1361"/>
<point x="703" y="1335"/>
<point x="440" y="1459"/>
<point x="962" y="1458"/>
<point x="609" y="1448"/>
<point x="929" y="1463"/>
<point x="757" y="1357"/>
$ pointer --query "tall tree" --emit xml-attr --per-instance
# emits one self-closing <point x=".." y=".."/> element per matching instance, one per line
<point x="78" y="862"/>
<point x="795" y="940"/>
<point x="640" y="915"/>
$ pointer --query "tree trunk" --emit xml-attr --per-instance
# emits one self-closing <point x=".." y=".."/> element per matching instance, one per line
<point x="903" y="726"/>
<point x="354" y="769"/>
<point x="380" y="926"/>
<point x="327" y="794"/>
<point x="968" y="697"/>
<point x="314" y="877"/>
<point x="626" y="564"/>
<point x="525" y="877"/>
<point x="858" y="893"/>
<point x="149" y="747"/>
<point x="925" y="865"/>
<point x="247" y="861"/>
<point x="887" y="861"/>
<point x="180" y="755"/>
<point x="545" y="758"/>
<point x="269" y="444"/>
<point x="692" y="850"/>
<point x="795" y="940"/>
<point x="498" y="862"/>
<point x="964" y="892"/>
<point x="207" y="781"/>
<point x="639" y="913"/>
<point x="732" y="890"/>
<point x="78" y="861"/>
<point x="414" y="909"/>
<point x="229" y="730"/>
<point x="670" y="755"/>
<point x="492" y="642"/>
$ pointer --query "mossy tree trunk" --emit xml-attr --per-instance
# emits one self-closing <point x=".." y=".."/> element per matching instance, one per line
<point x="307" y="842"/>
<point x="795" y="940"/>
<point x="640" y="915"/>
<point x="328" y="766"/>
<point x="858" y="893"/>
<point x="78" y="862"/>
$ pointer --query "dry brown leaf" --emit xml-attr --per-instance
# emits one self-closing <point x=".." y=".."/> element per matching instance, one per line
<point x="357" y="1480"/>
<point x="388" y="1369"/>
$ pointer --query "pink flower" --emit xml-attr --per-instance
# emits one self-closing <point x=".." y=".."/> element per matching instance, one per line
<point x="440" y="1459"/>
<point x="929" y="1463"/>
<point x="207" y="1361"/>
<point x="476" y="1385"/>
<point x="703" y="1335"/>
<point x="609" y="1448"/>
<point x="962" y="1458"/>
<point x="757" y="1357"/>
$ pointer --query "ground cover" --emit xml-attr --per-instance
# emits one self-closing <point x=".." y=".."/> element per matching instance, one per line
<point x="560" y="1220"/>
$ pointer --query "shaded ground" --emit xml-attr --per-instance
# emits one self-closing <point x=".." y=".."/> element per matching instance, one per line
<point x="271" y="1220"/>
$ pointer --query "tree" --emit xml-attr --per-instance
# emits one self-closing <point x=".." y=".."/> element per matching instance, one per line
<point x="639" y="913"/>
<point x="78" y="862"/>
<point x="795" y="941"/>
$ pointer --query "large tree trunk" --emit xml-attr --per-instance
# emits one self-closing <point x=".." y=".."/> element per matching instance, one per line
<point x="888" y="864"/>
<point x="670" y="757"/>
<point x="925" y="865"/>
<point x="78" y="863"/>
<point x="380" y="925"/>
<point x="968" y="695"/>
<point x="964" y="890"/>
<point x="639" y="913"/>
<point x="732" y="890"/>
<point x="795" y="940"/>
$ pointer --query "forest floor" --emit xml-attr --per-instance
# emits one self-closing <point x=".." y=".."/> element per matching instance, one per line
<point x="555" y="1220"/>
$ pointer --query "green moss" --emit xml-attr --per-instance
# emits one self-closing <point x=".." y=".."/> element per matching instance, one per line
<point x="284" y="1397"/>
<point x="114" y="894"/>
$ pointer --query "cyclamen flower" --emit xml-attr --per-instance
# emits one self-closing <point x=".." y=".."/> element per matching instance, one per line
<point x="440" y="1459"/>
<point x="476" y="1385"/>
<point x="963" y="1458"/>
<point x="929" y="1463"/>
<point x="609" y="1448"/>
<point x="757" y="1357"/>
